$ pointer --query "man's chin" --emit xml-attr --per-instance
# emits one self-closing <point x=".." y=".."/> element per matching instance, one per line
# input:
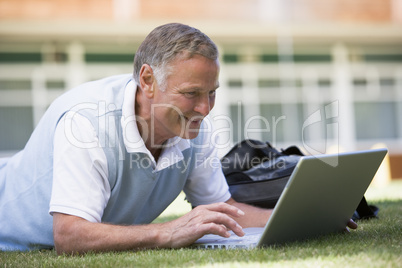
<point x="191" y="134"/>
<point x="192" y="129"/>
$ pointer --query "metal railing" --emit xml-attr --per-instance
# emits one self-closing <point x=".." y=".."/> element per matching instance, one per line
<point x="314" y="105"/>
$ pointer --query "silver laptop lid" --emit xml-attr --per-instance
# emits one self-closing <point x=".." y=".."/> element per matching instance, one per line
<point x="320" y="196"/>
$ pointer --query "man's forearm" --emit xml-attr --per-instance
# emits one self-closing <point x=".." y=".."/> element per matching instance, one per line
<point x="254" y="216"/>
<point x="76" y="235"/>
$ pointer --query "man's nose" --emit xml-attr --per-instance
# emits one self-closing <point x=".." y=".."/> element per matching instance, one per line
<point x="203" y="105"/>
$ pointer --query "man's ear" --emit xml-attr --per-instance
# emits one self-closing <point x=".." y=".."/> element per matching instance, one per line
<point x="147" y="80"/>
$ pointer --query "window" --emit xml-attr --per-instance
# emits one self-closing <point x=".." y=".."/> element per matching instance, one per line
<point x="17" y="127"/>
<point x="376" y="120"/>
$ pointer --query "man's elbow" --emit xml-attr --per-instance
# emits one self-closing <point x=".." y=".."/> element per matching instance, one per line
<point x="63" y="243"/>
<point x="65" y="236"/>
<point x="60" y="244"/>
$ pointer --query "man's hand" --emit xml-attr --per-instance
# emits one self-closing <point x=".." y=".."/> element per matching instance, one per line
<point x="208" y="219"/>
<point x="351" y="224"/>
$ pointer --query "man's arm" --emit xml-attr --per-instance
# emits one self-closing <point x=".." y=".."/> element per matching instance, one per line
<point x="76" y="235"/>
<point x="254" y="216"/>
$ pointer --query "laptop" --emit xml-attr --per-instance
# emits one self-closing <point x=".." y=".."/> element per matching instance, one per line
<point x="319" y="199"/>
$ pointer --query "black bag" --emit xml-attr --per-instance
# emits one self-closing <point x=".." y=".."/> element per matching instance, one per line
<point x="257" y="173"/>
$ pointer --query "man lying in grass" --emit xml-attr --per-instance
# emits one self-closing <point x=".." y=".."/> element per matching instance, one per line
<point x="109" y="156"/>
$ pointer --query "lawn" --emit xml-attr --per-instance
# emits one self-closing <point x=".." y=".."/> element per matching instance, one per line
<point x="376" y="243"/>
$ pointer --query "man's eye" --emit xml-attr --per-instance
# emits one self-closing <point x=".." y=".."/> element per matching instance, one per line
<point x="212" y="93"/>
<point x="190" y="94"/>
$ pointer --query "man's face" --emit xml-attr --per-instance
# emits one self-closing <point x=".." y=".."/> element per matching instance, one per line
<point x="188" y="96"/>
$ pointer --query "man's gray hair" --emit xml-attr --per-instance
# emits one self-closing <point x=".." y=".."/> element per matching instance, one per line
<point x="167" y="42"/>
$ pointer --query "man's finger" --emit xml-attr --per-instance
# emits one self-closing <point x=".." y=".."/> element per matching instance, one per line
<point x="222" y="220"/>
<point x="220" y="214"/>
<point x="351" y="224"/>
<point x="220" y="229"/>
<point x="225" y="208"/>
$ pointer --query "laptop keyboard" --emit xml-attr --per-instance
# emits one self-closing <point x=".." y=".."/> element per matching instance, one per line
<point x="250" y="240"/>
<point x="231" y="246"/>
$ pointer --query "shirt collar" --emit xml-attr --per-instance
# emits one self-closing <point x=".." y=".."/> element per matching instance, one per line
<point x="171" y="154"/>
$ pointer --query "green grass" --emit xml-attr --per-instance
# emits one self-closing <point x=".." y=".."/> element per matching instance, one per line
<point x="376" y="243"/>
